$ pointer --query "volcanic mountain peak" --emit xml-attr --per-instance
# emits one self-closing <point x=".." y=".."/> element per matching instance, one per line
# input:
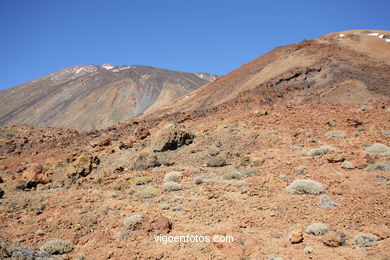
<point x="94" y="96"/>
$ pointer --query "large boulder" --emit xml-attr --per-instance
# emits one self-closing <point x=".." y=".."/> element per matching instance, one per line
<point x="82" y="166"/>
<point x="34" y="173"/>
<point x="146" y="160"/>
<point x="171" y="137"/>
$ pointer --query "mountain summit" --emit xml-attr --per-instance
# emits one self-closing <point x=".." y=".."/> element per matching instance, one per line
<point x="94" y="97"/>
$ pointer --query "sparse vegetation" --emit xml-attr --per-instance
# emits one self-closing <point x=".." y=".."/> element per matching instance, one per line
<point x="301" y="169"/>
<point x="57" y="247"/>
<point x="147" y="192"/>
<point x="321" y="150"/>
<point x="141" y="180"/>
<point x="241" y="183"/>
<point x="327" y="203"/>
<point x="305" y="187"/>
<point x="177" y="208"/>
<point x="381" y="166"/>
<point x="365" y="240"/>
<point x="335" y="133"/>
<point x="232" y="175"/>
<point x="308" y="250"/>
<point x="164" y="206"/>
<point x="172" y="176"/>
<point x="133" y="222"/>
<point x="172" y="186"/>
<point x="124" y="234"/>
<point x="317" y="229"/>
<point x="198" y="180"/>
<point x="365" y="108"/>
<point x="378" y="149"/>
<point x="347" y="165"/>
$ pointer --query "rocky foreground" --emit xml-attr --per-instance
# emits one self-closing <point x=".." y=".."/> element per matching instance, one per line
<point x="307" y="181"/>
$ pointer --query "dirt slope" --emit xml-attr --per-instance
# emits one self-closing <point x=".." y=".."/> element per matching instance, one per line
<point x="346" y="67"/>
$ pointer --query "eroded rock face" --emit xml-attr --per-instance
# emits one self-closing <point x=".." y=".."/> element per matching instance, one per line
<point x="171" y="137"/>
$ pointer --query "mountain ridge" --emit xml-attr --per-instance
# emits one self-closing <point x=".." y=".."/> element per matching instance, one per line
<point x="76" y="97"/>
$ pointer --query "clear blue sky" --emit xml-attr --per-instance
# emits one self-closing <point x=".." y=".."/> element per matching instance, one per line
<point x="38" y="37"/>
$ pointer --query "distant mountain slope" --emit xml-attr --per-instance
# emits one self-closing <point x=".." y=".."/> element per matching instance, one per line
<point x="350" y="67"/>
<point x="94" y="97"/>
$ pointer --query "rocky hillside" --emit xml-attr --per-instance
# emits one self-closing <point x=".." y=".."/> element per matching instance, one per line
<point x="349" y="67"/>
<point x="289" y="155"/>
<point x="94" y="97"/>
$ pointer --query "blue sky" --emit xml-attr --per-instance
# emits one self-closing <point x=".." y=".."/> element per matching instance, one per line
<point x="43" y="36"/>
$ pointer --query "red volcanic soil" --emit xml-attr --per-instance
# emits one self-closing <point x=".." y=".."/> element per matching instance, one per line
<point x="316" y="111"/>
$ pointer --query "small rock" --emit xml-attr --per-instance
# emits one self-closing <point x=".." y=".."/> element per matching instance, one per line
<point x="157" y="225"/>
<point x="1" y="193"/>
<point x="333" y="239"/>
<point x="385" y="132"/>
<point x="296" y="236"/>
<point x="40" y="232"/>
<point x="216" y="161"/>
<point x="100" y="141"/>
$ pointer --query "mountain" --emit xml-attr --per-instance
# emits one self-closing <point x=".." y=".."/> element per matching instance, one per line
<point x="287" y="157"/>
<point x="348" y="67"/>
<point x="94" y="97"/>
